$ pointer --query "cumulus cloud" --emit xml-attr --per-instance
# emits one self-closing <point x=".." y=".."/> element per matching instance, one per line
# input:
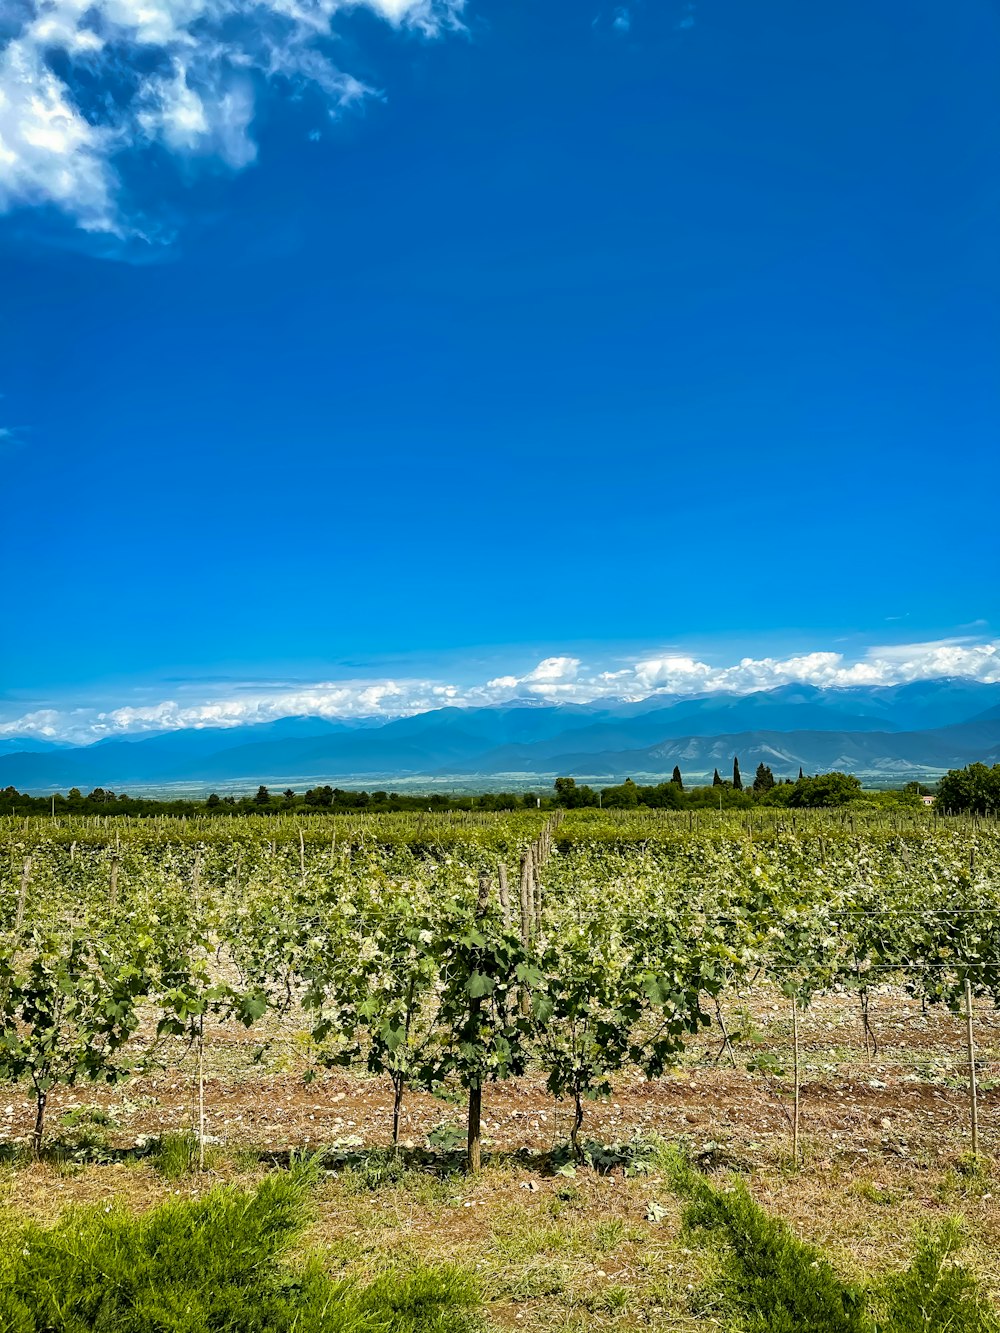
<point x="558" y="679"/>
<point x="85" y="82"/>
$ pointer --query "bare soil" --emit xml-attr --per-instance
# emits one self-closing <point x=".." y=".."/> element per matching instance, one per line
<point x="885" y="1141"/>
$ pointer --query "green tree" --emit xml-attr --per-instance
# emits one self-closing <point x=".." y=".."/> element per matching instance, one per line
<point x="571" y="796"/>
<point x="826" y="789"/>
<point x="763" y="779"/>
<point x="716" y="780"/>
<point x="620" y="798"/>
<point x="974" y="789"/>
<point x="263" y="795"/>
<point x="737" y="779"/>
<point x="676" y="778"/>
<point x="664" y="796"/>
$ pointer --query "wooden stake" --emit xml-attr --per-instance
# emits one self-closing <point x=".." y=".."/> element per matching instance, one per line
<point x="504" y="894"/>
<point x="525" y="891"/>
<point x="22" y="897"/>
<point x="201" y="1092"/>
<point x="973" y="1094"/>
<point x="474" y="1159"/>
<point x="795" y="1068"/>
<point x="525" y="1002"/>
<point x="532" y="879"/>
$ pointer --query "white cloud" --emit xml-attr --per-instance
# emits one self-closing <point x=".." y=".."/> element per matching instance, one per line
<point x="49" y="153"/>
<point x="180" y="73"/>
<point x="554" y="669"/>
<point x="214" y="121"/>
<point x="554" y="677"/>
<point x="558" y="679"/>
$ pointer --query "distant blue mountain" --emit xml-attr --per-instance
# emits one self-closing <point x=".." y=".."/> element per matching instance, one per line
<point x="933" y="724"/>
<point x="889" y="754"/>
<point x="29" y="744"/>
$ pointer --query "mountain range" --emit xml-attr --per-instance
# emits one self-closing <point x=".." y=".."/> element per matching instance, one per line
<point x="920" y="728"/>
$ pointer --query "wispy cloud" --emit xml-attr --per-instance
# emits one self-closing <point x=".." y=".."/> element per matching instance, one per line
<point x="557" y="679"/>
<point x="85" y="82"/>
<point x="687" y="20"/>
<point x="11" y="440"/>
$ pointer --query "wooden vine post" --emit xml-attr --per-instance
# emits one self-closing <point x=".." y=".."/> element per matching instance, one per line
<point x="795" y="1075"/>
<point x="196" y="893"/>
<point x="201" y="1091"/>
<point x="525" y="905"/>
<point x="475" y="1145"/>
<point x="971" y="1045"/>
<point x="22" y="896"/>
<point x="502" y="889"/>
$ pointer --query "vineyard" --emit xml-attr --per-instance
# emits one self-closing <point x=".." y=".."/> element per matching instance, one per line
<point x="478" y="988"/>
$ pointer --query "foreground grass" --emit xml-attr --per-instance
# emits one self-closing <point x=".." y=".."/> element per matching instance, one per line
<point x="215" y="1264"/>
<point x="598" y="1251"/>
<point x="771" y="1281"/>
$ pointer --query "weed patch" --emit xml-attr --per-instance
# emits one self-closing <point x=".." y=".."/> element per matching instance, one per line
<point x="217" y="1264"/>
<point x="770" y="1281"/>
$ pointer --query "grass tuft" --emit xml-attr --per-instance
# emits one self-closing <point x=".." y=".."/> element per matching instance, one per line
<point x="175" y="1155"/>
<point x="216" y="1264"/>
<point x="770" y="1281"/>
<point x="935" y="1292"/>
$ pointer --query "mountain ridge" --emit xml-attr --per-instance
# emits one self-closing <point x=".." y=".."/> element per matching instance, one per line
<point x="867" y="729"/>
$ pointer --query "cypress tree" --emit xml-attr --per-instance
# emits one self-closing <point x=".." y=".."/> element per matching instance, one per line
<point x="737" y="780"/>
<point x="716" y="781"/>
<point x="801" y="774"/>
<point x="676" y="778"/>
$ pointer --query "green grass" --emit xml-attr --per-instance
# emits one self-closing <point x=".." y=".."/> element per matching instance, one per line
<point x="217" y="1264"/>
<point x="770" y="1281"/>
<point x="175" y="1155"/>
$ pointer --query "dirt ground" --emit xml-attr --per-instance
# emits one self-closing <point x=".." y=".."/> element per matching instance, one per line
<point x="885" y="1142"/>
<point x="910" y="1099"/>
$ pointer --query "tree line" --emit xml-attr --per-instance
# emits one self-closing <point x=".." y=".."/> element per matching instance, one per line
<point x="265" y="801"/>
<point x="960" y="792"/>
<point x="815" y="791"/>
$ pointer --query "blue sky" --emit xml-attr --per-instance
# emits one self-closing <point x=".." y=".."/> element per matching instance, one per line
<point x="420" y="342"/>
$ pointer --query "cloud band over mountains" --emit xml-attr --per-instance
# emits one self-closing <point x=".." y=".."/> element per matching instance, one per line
<point x="556" y="679"/>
